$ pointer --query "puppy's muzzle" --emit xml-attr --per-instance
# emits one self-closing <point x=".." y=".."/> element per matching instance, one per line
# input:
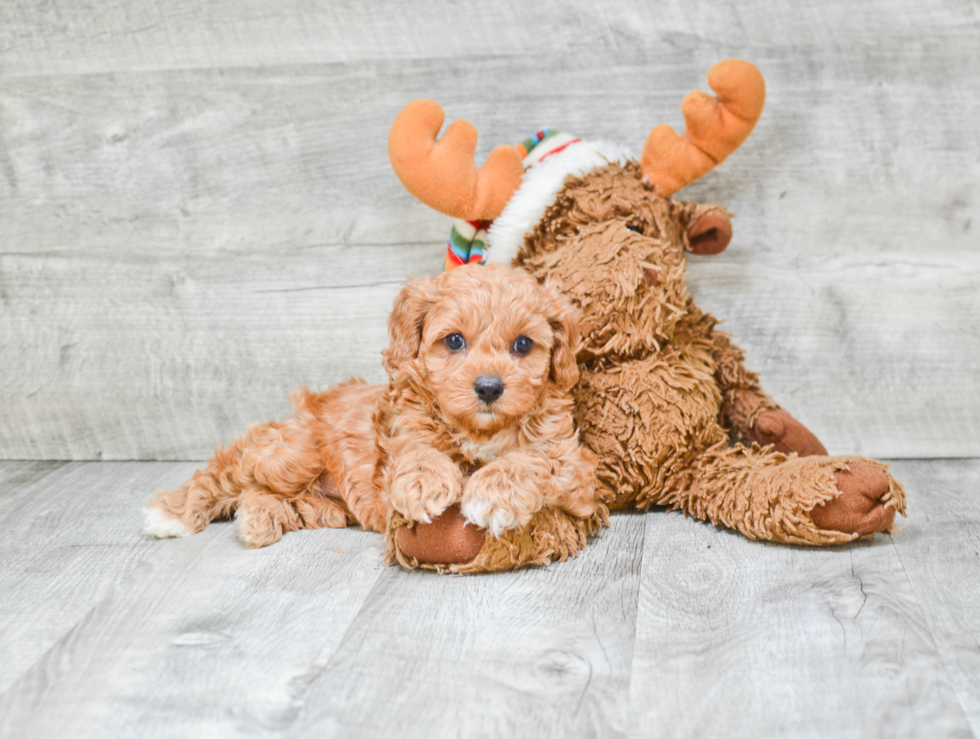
<point x="488" y="389"/>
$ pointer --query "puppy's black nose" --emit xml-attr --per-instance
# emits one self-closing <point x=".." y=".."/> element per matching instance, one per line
<point x="488" y="389"/>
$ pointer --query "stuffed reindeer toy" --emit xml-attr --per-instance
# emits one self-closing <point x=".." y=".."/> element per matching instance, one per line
<point x="664" y="400"/>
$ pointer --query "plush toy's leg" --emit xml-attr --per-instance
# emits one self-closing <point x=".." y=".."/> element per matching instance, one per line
<point x="748" y="414"/>
<point x="796" y="500"/>
<point x="778" y="429"/>
<point x="450" y="544"/>
<point x="272" y="474"/>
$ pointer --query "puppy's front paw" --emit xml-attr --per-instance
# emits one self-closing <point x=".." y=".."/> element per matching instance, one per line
<point x="498" y="498"/>
<point x="424" y="487"/>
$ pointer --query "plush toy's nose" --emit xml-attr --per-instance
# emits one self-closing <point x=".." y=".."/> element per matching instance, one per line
<point x="710" y="234"/>
<point x="488" y="389"/>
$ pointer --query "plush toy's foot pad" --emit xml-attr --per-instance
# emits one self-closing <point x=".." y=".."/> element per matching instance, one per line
<point x="447" y="540"/>
<point x="449" y="544"/>
<point x="785" y="434"/>
<point x="859" y="509"/>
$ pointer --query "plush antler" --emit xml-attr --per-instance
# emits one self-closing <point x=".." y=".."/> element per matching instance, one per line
<point x="442" y="174"/>
<point x="715" y="127"/>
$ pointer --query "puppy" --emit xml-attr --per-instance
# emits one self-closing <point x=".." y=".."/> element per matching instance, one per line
<point x="476" y="412"/>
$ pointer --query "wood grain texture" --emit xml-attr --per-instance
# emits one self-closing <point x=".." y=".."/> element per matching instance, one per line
<point x="743" y="639"/>
<point x="940" y="553"/>
<point x="662" y="627"/>
<point x="186" y="35"/>
<point x="160" y="161"/>
<point x="182" y="34"/>
<point x="190" y="636"/>
<point x="67" y="541"/>
<point x="18" y="476"/>
<point x="539" y="652"/>
<point x="184" y="353"/>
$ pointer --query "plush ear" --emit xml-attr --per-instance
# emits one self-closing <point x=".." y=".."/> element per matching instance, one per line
<point x="563" y="318"/>
<point x="405" y="323"/>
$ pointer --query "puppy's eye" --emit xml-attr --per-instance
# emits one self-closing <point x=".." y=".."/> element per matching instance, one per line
<point x="522" y="345"/>
<point x="455" y="342"/>
<point x="635" y="227"/>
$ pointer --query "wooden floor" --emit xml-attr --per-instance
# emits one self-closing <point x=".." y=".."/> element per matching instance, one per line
<point x="662" y="627"/>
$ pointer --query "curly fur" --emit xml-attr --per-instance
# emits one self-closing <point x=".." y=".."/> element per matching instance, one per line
<point x="662" y="393"/>
<point x="358" y="453"/>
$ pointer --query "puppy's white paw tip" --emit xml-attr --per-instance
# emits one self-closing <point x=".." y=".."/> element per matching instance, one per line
<point x="476" y="512"/>
<point x="496" y="519"/>
<point x="162" y="525"/>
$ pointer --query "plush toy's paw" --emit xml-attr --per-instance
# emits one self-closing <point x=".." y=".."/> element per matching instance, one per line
<point x="448" y="540"/>
<point x="859" y="509"/>
<point x="425" y="488"/>
<point x="785" y="434"/>
<point x="450" y="544"/>
<point x="496" y="500"/>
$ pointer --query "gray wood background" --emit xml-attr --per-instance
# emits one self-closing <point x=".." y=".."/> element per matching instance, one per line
<point x="197" y="211"/>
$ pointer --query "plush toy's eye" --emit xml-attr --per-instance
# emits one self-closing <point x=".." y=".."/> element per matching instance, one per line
<point x="522" y="345"/>
<point x="455" y="342"/>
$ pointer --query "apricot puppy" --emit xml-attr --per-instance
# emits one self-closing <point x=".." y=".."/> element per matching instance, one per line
<point x="476" y="413"/>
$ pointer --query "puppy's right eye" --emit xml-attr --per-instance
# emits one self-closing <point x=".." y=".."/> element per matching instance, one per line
<point x="455" y="342"/>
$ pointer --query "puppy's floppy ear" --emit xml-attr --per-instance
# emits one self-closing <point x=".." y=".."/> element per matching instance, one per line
<point x="406" y="321"/>
<point x="563" y="318"/>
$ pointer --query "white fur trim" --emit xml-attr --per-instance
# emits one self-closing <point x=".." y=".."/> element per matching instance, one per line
<point x="538" y="190"/>
<point x="163" y="526"/>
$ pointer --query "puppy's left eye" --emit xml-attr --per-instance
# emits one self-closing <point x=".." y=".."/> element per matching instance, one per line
<point x="522" y="345"/>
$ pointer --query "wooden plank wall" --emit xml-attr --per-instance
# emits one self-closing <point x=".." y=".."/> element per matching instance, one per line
<point x="197" y="212"/>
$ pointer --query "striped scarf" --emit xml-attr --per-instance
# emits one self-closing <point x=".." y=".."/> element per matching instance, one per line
<point x="468" y="239"/>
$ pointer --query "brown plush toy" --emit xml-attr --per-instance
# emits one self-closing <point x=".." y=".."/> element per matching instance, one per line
<point x="664" y="399"/>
